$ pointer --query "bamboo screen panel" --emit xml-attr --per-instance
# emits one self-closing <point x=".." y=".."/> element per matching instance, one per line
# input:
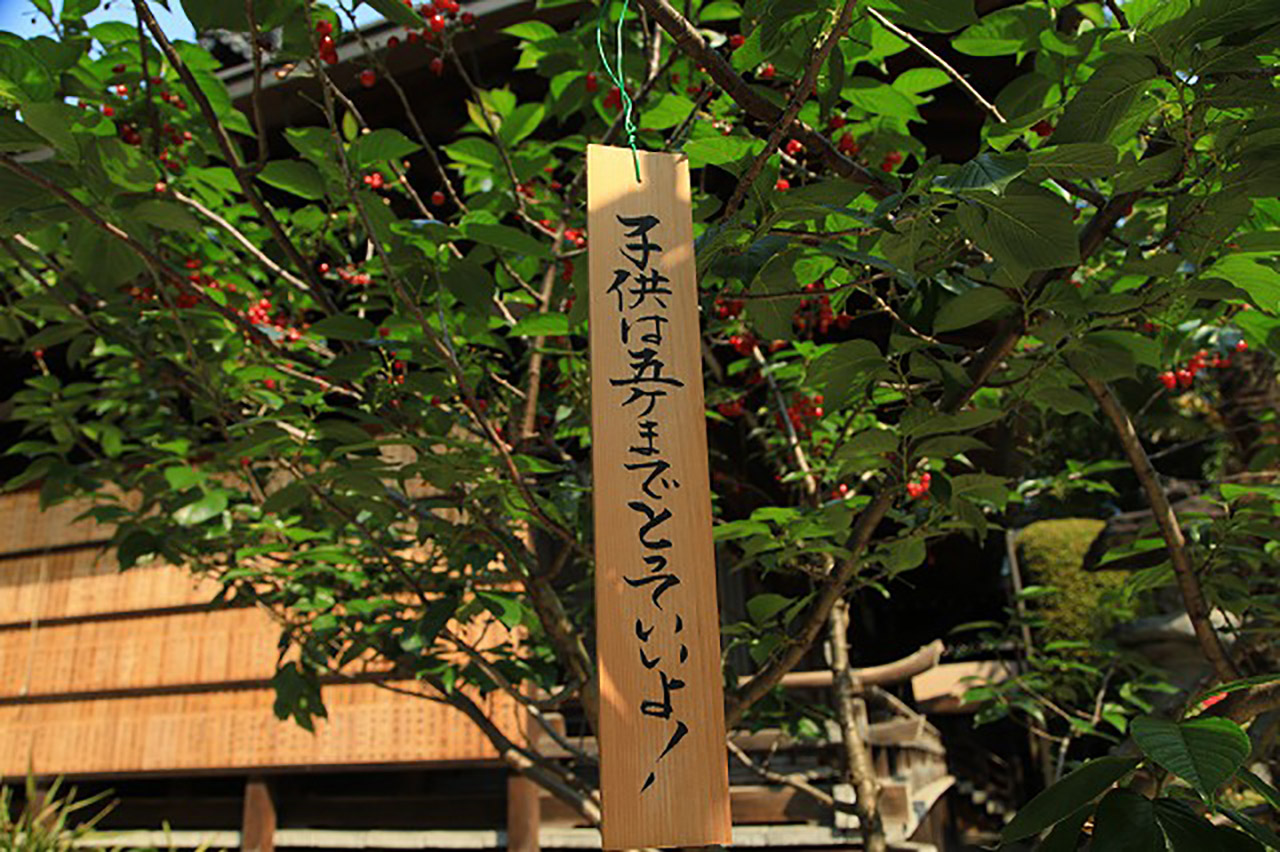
<point x="88" y="581"/>
<point x="24" y="527"/>
<point x="235" y="729"/>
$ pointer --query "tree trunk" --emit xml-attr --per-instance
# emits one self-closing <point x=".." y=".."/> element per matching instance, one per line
<point x="858" y="769"/>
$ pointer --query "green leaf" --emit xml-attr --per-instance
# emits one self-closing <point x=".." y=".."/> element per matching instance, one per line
<point x="16" y="137"/>
<point x="986" y="172"/>
<point x="507" y="608"/>
<point x="397" y="12"/>
<point x="1014" y="30"/>
<point x="295" y="176"/>
<point x="474" y="151"/>
<point x="843" y="373"/>
<point x="668" y="111"/>
<point x="762" y="608"/>
<point x="879" y="98"/>
<point x="1072" y="161"/>
<point x="380" y="146"/>
<point x="1187" y="831"/>
<point x="541" y="325"/>
<point x="1066" y="834"/>
<point x="22" y="76"/>
<point x="470" y="282"/>
<point x="1105" y="100"/>
<point x="1126" y="822"/>
<point x="1262" y="788"/>
<point x="718" y="150"/>
<point x="934" y="16"/>
<point x="208" y="506"/>
<point x="182" y="477"/>
<point x="1203" y="752"/>
<point x="506" y="238"/>
<point x="1261" y="282"/>
<point x="1024" y="231"/>
<point x="531" y="30"/>
<point x="971" y="308"/>
<point x="1067" y="796"/>
<point x="1149" y="170"/>
<point x="522" y="122"/>
<point x="1257" y="831"/>
<point x="345" y="327"/>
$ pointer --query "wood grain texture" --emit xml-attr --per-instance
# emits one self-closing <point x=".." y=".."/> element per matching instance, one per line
<point x="686" y="802"/>
<point x="237" y="730"/>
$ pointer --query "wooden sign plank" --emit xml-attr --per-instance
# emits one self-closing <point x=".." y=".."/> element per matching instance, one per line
<point x="664" y="771"/>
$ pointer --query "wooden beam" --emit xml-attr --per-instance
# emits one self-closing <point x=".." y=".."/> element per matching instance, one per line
<point x="524" y="814"/>
<point x="258" y="824"/>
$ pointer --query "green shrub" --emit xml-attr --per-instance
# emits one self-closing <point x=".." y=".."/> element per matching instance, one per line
<point x="1051" y="553"/>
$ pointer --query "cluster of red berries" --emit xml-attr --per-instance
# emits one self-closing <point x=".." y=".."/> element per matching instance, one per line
<point x="729" y="308"/>
<point x="375" y="180"/>
<point x="743" y="344"/>
<point x="1042" y="128"/>
<point x="350" y="276"/>
<point x="733" y="408"/>
<point x="891" y="161"/>
<point x="767" y="72"/>
<point x="817" y="314"/>
<point x="328" y="48"/>
<point x="170" y="98"/>
<point x="613" y="100"/>
<point x="919" y="488"/>
<point x="1184" y="376"/>
<point x="802" y="412"/>
<point x="847" y="145"/>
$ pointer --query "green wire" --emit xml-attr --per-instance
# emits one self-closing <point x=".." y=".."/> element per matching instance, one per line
<point x="617" y="76"/>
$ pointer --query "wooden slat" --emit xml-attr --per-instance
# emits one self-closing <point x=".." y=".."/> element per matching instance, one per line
<point x="237" y="730"/>
<point x="87" y="582"/>
<point x="204" y="647"/>
<point x="663" y="769"/>
<point x="24" y="527"/>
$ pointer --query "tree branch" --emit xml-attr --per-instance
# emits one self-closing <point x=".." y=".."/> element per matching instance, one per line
<point x="859" y="770"/>
<point x="937" y="60"/>
<point x="798" y="97"/>
<point x="695" y="46"/>
<point x="1188" y="584"/>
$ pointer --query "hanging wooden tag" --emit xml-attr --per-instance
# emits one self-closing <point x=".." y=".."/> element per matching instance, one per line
<point x="663" y="766"/>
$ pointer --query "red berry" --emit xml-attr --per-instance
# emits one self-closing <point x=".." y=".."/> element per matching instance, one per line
<point x="1169" y="380"/>
<point x="384" y="332"/>
<point x="848" y="145"/>
<point x="437" y="198"/>
<point x="437" y="23"/>
<point x="736" y="41"/>
<point x="269" y="384"/>
<point x="794" y="147"/>
<point x="161" y="186"/>
<point x="368" y="78"/>
<point x="1185" y="378"/>
<point x="1242" y="345"/>
<point x="324" y="28"/>
<point x="837" y="122"/>
<point x="122" y="90"/>
<point x="593" y="82"/>
<point x="39" y="353"/>
<point x="393" y="42"/>
<point x="118" y="69"/>
<point x="782" y="185"/>
<point x="1042" y="128"/>
<point x="324" y="268"/>
<point x="436" y="65"/>
<point x="468" y="19"/>
<point x="108" y="111"/>
<point x="730" y="409"/>
<point x="768" y="71"/>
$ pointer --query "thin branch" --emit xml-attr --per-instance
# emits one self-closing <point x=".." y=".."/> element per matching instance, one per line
<point x="939" y="61"/>
<point x="1121" y="18"/>
<point x="233" y="157"/>
<point x="753" y="103"/>
<point x="255" y="50"/>
<point x="798" y="98"/>
<point x="795" y="781"/>
<point x="248" y="244"/>
<point x="1188" y="584"/>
